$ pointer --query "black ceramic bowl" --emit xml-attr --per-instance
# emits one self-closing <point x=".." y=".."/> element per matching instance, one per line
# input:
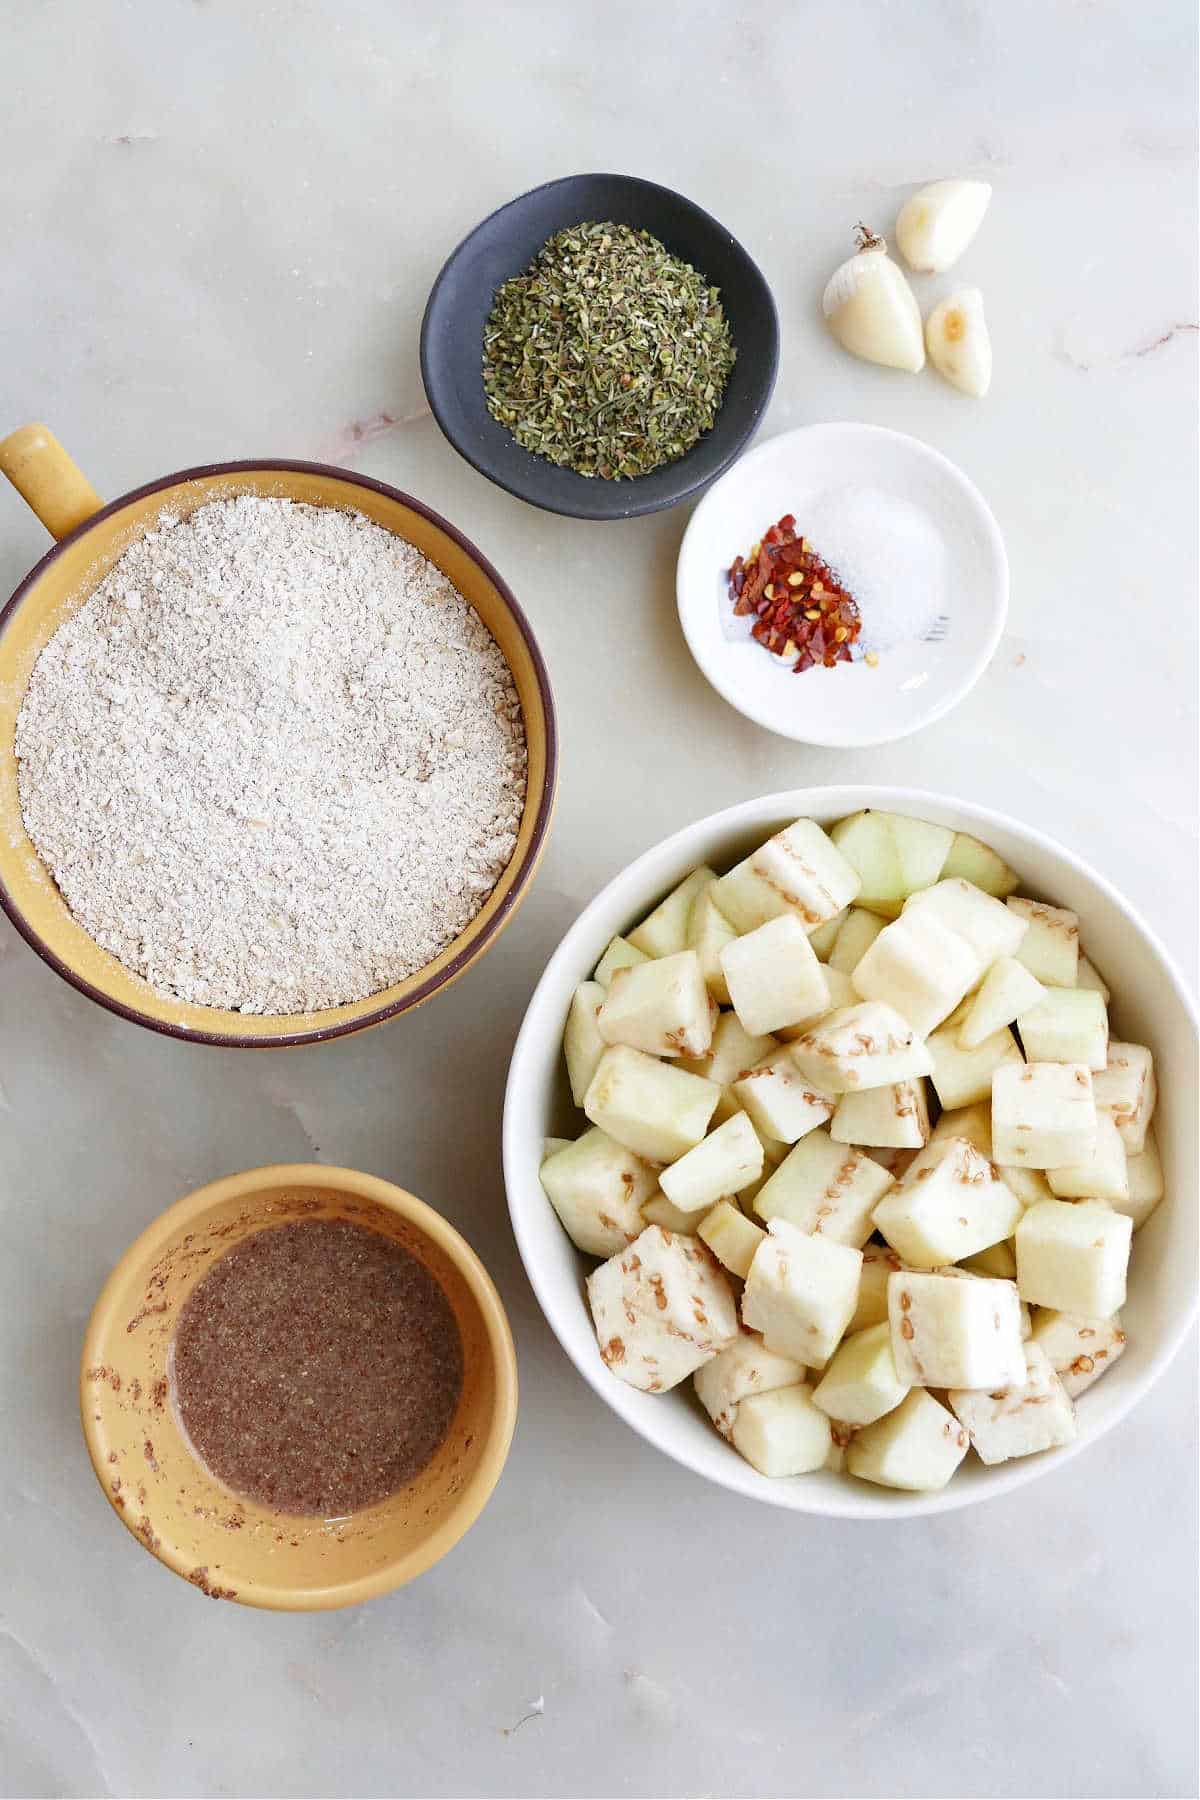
<point x="506" y="243"/>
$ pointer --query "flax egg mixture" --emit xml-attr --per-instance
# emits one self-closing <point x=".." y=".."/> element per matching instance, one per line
<point x="316" y="1368"/>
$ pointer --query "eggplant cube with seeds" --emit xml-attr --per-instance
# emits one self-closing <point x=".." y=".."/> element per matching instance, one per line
<point x="841" y="1437"/>
<point x="661" y="1006"/>
<point x="804" y="866"/>
<point x="657" y="1111"/>
<point x="582" y="1044"/>
<point x="841" y="993"/>
<point x="708" y="932"/>
<point x="955" y="1331"/>
<point x="827" y="1189"/>
<point x="1079" y="1350"/>
<point x="780" y="1101"/>
<point x="858" y="932"/>
<point x="972" y="1122"/>
<point x="620" y="954"/>
<point x="745" y="899"/>
<point x="919" y="966"/>
<point x="1146" y="1186"/>
<point x="963" y="1077"/>
<point x="895" y="856"/>
<point x="916" y="1447"/>
<point x="823" y="937"/>
<point x="662" y="1307"/>
<point x="861" y="1382"/>
<point x="664" y="931"/>
<point x="1033" y="1414"/>
<point x="886" y="1118"/>
<point x="724" y="1162"/>
<point x="658" y="1210"/>
<point x="774" y="1150"/>
<point x="732" y="1237"/>
<point x="1126" y="1089"/>
<point x="798" y="871"/>
<point x="1043" y="1114"/>
<point x="990" y="928"/>
<point x="1050" y="947"/>
<point x="800" y="1293"/>
<point x="1073" y="1257"/>
<point x="870" y="1308"/>
<point x="732" y="1051"/>
<point x="1069" y="1025"/>
<point x="949" y="1204"/>
<point x="998" y="1261"/>
<point x="857" y="1047"/>
<point x="1088" y="976"/>
<point x="1102" y="1175"/>
<point x="970" y="860"/>
<point x="774" y="977"/>
<point x="1006" y="991"/>
<point x="743" y="1368"/>
<point x="782" y="1432"/>
<point x="1029" y="1185"/>
<point x="597" y="1187"/>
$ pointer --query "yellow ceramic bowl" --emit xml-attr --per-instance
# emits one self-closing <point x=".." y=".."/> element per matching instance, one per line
<point x="228" y="1547"/>
<point x="92" y="537"/>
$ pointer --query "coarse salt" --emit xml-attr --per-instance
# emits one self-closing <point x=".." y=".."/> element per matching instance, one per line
<point x="890" y="556"/>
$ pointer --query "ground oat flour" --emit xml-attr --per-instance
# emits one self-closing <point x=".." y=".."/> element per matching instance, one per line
<point x="275" y="762"/>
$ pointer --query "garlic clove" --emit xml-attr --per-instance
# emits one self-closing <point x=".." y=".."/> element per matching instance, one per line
<point x="872" y="311"/>
<point x="937" y="223"/>
<point x="959" y="346"/>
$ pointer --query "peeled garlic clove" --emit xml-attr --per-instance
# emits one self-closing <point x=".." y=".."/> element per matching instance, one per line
<point x="938" y="222"/>
<point x="959" y="346"/>
<point x="872" y="311"/>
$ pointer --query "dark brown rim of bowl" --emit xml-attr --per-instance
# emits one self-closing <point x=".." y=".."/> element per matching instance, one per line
<point x="286" y="1040"/>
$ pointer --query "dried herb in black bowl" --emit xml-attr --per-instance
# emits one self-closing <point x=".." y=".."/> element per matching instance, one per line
<point x="608" y="355"/>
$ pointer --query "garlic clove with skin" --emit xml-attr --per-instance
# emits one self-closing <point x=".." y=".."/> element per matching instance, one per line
<point x="956" y="334"/>
<point x="936" y="224"/>
<point x="872" y="311"/>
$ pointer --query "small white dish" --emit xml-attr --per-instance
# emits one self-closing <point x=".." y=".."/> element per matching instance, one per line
<point x="880" y="508"/>
<point x="1151" y="1005"/>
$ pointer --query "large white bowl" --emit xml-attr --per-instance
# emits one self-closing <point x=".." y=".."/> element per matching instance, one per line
<point x="1150" y="1006"/>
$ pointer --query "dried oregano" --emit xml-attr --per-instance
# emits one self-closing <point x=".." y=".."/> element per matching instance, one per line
<point x="608" y="355"/>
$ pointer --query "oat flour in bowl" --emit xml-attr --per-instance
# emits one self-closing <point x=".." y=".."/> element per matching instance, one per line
<point x="275" y="762"/>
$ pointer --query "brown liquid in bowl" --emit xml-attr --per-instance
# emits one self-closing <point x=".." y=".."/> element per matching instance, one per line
<point x="317" y="1366"/>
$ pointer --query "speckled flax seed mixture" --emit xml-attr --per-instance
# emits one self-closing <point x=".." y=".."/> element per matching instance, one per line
<point x="275" y="762"/>
<point x="316" y="1367"/>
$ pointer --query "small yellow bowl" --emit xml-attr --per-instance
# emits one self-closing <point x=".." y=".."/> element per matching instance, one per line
<point x="228" y="1547"/>
<point x="92" y="537"/>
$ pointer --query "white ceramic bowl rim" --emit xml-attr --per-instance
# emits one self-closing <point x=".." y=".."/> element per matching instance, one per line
<point x="644" y="878"/>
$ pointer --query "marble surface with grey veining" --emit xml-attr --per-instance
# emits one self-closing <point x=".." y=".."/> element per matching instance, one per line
<point x="220" y="222"/>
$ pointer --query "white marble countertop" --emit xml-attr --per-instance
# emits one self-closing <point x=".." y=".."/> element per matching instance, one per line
<point x="220" y="225"/>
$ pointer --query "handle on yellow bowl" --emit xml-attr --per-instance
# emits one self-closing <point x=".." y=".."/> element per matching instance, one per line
<point x="43" y="474"/>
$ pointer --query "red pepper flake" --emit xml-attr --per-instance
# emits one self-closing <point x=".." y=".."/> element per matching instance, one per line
<point x="801" y="608"/>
